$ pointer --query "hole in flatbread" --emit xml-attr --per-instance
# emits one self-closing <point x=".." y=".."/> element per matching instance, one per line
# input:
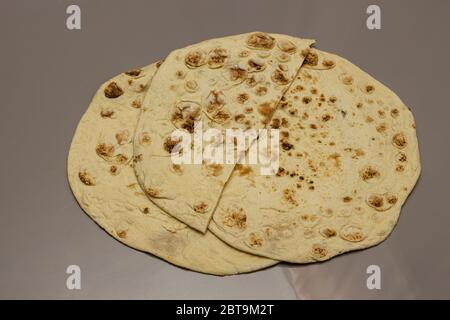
<point x="366" y="88"/>
<point x="279" y="77"/>
<point x="107" y="112"/>
<point x="261" y="91"/>
<point x="346" y="79"/>
<point x="235" y="74"/>
<point x="256" y="65"/>
<point x="382" y="202"/>
<point x="133" y="72"/>
<point x="286" y="46"/>
<point x="104" y="150"/>
<point x="283" y="57"/>
<point x="122" y="234"/>
<point x="316" y="62"/>
<point x="368" y="173"/>
<point x="217" y="58"/>
<point x="184" y="114"/>
<point x="244" y="53"/>
<point x="401" y="157"/>
<point x="86" y="178"/>
<point x="395" y="112"/>
<point x="123" y="137"/>
<point x="153" y="192"/>
<point x="319" y="251"/>
<point x="215" y="101"/>
<point x="195" y="59"/>
<point x="171" y="145"/>
<point x="220" y="116"/>
<point x="311" y="58"/>
<point x="144" y="139"/>
<point x="399" y="140"/>
<point x="114" y="170"/>
<point x="191" y="86"/>
<point x="242" y="98"/>
<point x="235" y="218"/>
<point x="112" y="90"/>
<point x="255" y="240"/>
<point x="260" y="41"/>
<point x="352" y="233"/>
<point x="201" y="207"/>
<point x="180" y="74"/>
<point x="328" y="232"/>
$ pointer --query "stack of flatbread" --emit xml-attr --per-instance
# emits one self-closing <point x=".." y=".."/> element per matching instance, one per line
<point x="348" y="156"/>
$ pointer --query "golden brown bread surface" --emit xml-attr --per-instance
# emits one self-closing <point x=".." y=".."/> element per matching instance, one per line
<point x="349" y="159"/>
<point x="102" y="179"/>
<point x="231" y="82"/>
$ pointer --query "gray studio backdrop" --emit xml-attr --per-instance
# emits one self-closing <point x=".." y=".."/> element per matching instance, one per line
<point x="50" y="73"/>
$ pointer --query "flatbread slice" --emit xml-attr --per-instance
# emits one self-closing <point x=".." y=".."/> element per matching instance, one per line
<point x="349" y="158"/>
<point x="231" y="82"/>
<point x="102" y="179"/>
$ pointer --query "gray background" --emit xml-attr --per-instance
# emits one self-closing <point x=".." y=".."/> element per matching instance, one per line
<point x="49" y="74"/>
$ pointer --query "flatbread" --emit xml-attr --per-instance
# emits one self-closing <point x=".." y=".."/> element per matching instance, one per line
<point x="102" y="179"/>
<point x="231" y="82"/>
<point x="349" y="158"/>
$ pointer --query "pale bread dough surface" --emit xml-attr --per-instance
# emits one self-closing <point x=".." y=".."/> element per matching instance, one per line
<point x="102" y="179"/>
<point x="349" y="159"/>
<point x="231" y="82"/>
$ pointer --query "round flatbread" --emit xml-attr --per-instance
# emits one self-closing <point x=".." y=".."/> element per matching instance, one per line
<point x="231" y="82"/>
<point x="102" y="179"/>
<point x="349" y="158"/>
